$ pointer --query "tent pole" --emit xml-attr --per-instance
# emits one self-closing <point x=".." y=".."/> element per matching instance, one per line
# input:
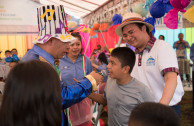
<point x="87" y="45"/>
<point x="103" y="39"/>
<point x="119" y="43"/>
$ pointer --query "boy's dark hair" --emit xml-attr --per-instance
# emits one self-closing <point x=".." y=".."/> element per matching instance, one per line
<point x="14" y="49"/>
<point x="7" y="51"/>
<point x="162" y="37"/>
<point x="78" y="36"/>
<point x="153" y="114"/>
<point x="125" y="55"/>
<point x="102" y="58"/>
<point x="32" y="96"/>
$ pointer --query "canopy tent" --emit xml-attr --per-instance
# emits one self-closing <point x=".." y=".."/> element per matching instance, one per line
<point x="79" y="8"/>
<point x="19" y="27"/>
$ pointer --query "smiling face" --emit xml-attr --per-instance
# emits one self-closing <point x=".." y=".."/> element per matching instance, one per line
<point x="135" y="36"/>
<point x="75" y="48"/>
<point x="114" y="67"/>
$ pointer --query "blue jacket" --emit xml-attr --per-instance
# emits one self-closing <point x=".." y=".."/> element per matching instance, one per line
<point x="71" y="94"/>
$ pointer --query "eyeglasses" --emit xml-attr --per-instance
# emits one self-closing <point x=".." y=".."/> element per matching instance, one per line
<point x="129" y="33"/>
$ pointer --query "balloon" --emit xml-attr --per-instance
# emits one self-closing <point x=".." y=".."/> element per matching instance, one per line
<point x="180" y="4"/>
<point x="138" y="8"/>
<point x="96" y="26"/>
<point x="171" y="19"/>
<point x="151" y="21"/>
<point x="157" y="9"/>
<point x="117" y="19"/>
<point x="167" y="7"/>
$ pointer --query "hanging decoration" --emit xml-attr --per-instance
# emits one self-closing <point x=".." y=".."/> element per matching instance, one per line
<point x="82" y="28"/>
<point x="189" y="14"/>
<point x="103" y="26"/>
<point x="117" y="19"/>
<point x="171" y="19"/>
<point x="158" y="10"/>
<point x="139" y="8"/>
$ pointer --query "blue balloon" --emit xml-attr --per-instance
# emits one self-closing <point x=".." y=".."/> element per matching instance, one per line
<point x="117" y="19"/>
<point x="168" y="7"/>
<point x="157" y="9"/>
<point x="151" y="21"/>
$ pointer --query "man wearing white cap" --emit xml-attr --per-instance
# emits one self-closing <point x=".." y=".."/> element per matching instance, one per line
<point x="156" y="63"/>
<point x="51" y="44"/>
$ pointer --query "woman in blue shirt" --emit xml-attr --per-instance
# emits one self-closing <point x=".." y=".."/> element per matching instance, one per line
<point x="75" y="65"/>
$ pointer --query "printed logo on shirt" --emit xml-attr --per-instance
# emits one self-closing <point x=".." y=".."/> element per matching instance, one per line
<point x="150" y="61"/>
<point x="65" y="67"/>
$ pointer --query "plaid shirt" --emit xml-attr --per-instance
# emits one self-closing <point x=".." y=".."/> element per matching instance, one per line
<point x="148" y="47"/>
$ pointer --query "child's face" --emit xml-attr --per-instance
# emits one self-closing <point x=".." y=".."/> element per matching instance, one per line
<point x="7" y="54"/>
<point x="114" y="68"/>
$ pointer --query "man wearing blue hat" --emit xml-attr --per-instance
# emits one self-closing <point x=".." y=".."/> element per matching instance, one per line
<point x="51" y="45"/>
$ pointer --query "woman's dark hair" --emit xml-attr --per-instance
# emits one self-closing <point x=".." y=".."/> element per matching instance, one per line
<point x="78" y="36"/>
<point x="102" y="58"/>
<point x="125" y="55"/>
<point x="32" y="96"/>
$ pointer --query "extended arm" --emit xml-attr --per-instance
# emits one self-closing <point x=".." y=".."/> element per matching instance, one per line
<point x="170" y="86"/>
<point x="98" y="98"/>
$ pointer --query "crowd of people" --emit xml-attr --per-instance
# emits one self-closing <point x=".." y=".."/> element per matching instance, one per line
<point x="54" y="84"/>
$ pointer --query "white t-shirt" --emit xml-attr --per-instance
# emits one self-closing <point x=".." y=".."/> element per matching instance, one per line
<point x="160" y="57"/>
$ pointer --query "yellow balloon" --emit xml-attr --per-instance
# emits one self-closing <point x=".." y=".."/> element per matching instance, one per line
<point x="189" y="14"/>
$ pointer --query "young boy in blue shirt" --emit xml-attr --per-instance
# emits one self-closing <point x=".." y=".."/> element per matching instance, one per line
<point x="122" y="92"/>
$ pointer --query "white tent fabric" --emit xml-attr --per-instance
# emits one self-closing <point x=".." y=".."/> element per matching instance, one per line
<point x="20" y="16"/>
<point x="79" y="8"/>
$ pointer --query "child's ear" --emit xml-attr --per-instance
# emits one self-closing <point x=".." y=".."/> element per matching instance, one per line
<point x="126" y="69"/>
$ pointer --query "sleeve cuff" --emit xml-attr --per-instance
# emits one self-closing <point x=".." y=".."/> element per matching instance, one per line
<point x="170" y="69"/>
<point x="93" y="82"/>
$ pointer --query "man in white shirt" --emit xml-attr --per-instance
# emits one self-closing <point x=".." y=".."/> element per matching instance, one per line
<point x="156" y="63"/>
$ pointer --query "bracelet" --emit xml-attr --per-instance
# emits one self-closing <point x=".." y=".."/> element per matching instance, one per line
<point x="93" y="82"/>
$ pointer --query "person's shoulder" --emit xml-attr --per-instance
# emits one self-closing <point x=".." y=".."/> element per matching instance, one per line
<point x="138" y="83"/>
<point x="161" y="44"/>
<point x="110" y="81"/>
<point x="30" y="55"/>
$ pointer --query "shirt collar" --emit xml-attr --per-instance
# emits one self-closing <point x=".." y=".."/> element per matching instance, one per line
<point x="79" y="58"/>
<point x="149" y="45"/>
<point x="44" y="54"/>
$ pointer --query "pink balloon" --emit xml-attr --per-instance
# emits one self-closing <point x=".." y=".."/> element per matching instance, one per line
<point x="171" y="19"/>
<point x="180" y="4"/>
